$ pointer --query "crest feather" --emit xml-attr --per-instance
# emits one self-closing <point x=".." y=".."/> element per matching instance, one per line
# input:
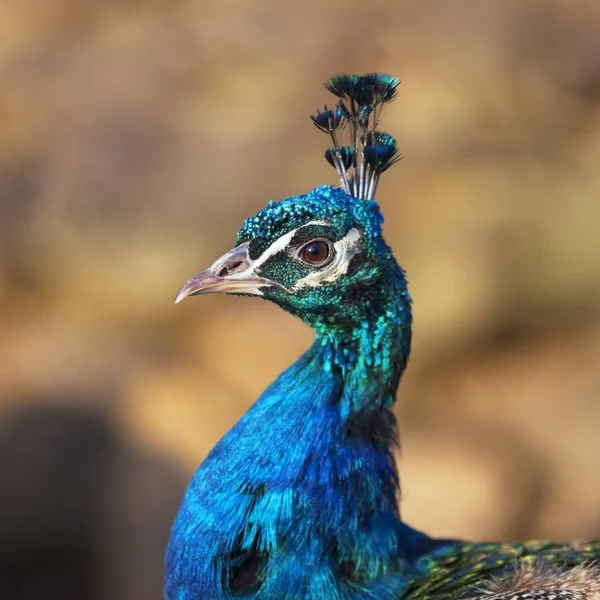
<point x="370" y="152"/>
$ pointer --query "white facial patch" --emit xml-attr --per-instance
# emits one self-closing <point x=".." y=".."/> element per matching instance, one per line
<point x="281" y="244"/>
<point x="345" y="250"/>
<point x="277" y="246"/>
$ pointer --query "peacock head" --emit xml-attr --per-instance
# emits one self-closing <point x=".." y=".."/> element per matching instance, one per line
<point x="316" y="256"/>
<point x="320" y="255"/>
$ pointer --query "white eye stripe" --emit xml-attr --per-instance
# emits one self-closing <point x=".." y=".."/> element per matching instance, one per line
<point x="277" y="246"/>
<point x="345" y="250"/>
<point x="281" y="244"/>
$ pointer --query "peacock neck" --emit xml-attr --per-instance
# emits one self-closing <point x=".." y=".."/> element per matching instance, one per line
<point x="329" y="415"/>
<point x="370" y="350"/>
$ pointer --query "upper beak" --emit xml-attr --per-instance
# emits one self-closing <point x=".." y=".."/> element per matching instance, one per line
<point x="231" y="273"/>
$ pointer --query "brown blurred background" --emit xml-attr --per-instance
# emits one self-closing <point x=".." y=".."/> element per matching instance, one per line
<point x="135" y="136"/>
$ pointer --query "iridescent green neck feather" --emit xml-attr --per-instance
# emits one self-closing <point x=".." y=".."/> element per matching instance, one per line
<point x="359" y="305"/>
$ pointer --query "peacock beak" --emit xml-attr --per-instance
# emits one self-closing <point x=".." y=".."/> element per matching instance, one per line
<point x="232" y="273"/>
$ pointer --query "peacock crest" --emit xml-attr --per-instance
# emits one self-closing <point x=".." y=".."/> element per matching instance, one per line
<point x="370" y="151"/>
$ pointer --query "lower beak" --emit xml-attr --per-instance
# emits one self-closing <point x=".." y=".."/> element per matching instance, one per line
<point x="207" y="282"/>
<point x="232" y="273"/>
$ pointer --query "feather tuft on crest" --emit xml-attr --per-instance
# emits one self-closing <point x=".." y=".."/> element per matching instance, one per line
<point x="370" y="152"/>
<point x="329" y="120"/>
<point x="343" y="86"/>
<point x="343" y="153"/>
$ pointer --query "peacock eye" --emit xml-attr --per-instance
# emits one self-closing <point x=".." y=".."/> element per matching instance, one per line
<point x="315" y="253"/>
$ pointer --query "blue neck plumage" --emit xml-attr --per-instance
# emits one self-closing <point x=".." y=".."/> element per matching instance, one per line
<point x="306" y="483"/>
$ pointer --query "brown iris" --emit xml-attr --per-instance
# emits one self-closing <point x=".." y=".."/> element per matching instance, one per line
<point x="315" y="253"/>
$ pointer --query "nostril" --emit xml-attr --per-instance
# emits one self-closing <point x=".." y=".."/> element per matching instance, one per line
<point x="230" y="269"/>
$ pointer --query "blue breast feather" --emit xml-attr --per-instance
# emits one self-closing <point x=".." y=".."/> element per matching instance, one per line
<point x="313" y="503"/>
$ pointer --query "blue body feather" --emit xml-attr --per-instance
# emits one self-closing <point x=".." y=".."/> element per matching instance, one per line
<point x="299" y="499"/>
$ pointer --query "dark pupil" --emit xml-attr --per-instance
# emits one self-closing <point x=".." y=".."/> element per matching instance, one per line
<point x="315" y="253"/>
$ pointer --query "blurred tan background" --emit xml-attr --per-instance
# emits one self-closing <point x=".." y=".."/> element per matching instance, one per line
<point x="134" y="139"/>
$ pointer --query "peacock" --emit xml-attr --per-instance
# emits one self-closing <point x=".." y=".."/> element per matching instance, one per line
<point x="299" y="500"/>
